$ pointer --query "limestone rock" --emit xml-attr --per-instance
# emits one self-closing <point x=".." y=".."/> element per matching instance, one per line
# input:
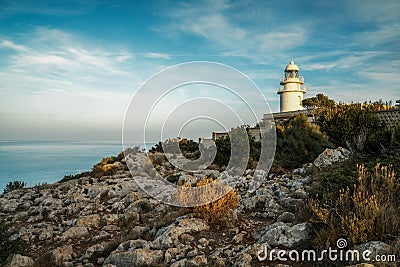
<point x="286" y="217"/>
<point x="75" y="232"/>
<point x="17" y="260"/>
<point x="92" y="213"/>
<point x="173" y="254"/>
<point x="9" y="205"/>
<point x="376" y="248"/>
<point x="330" y="156"/>
<point x="133" y="244"/>
<point x="238" y="238"/>
<point x="362" y="265"/>
<point x="137" y="257"/>
<point x="169" y="236"/>
<point x="283" y="234"/>
<point x="97" y="249"/>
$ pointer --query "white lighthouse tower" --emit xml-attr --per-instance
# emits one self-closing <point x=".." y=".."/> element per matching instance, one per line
<point x="291" y="94"/>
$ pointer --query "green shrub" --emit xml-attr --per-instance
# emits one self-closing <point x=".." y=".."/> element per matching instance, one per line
<point x="356" y="127"/>
<point x="75" y="176"/>
<point x="298" y="142"/>
<point x="224" y="153"/>
<point x="188" y="148"/>
<point x="14" y="185"/>
<point x="344" y="174"/>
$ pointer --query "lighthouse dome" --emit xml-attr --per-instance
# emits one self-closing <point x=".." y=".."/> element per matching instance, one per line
<point x="291" y="66"/>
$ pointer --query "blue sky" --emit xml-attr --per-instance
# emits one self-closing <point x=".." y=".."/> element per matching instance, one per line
<point x="68" y="69"/>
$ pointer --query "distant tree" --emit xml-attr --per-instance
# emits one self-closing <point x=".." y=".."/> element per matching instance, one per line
<point x="156" y="148"/>
<point x="316" y="104"/>
<point x="186" y="146"/>
<point x="222" y="157"/>
<point x="238" y="135"/>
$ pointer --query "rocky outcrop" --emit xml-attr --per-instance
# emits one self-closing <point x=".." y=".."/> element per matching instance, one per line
<point x="168" y="237"/>
<point x="330" y="156"/>
<point x="110" y="221"/>
<point x="283" y="234"/>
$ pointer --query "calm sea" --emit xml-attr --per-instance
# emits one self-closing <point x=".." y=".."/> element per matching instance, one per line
<point x="49" y="161"/>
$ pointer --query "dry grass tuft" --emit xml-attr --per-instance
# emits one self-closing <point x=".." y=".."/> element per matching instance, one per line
<point x="221" y="211"/>
<point x="368" y="211"/>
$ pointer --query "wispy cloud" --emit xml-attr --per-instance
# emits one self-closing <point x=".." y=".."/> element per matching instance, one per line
<point x="52" y="54"/>
<point x="157" y="55"/>
<point x="10" y="44"/>
<point x="220" y="26"/>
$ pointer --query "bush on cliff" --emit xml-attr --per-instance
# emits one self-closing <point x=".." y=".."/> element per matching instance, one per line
<point x="357" y="127"/>
<point x="223" y="145"/>
<point x="189" y="148"/>
<point x="13" y="186"/>
<point x="103" y="168"/>
<point x="298" y="142"/>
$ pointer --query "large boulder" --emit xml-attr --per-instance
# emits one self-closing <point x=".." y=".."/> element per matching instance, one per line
<point x="283" y="234"/>
<point x="168" y="237"/>
<point x="330" y="156"/>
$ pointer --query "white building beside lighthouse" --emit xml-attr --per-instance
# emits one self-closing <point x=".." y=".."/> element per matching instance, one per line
<point x="291" y="94"/>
